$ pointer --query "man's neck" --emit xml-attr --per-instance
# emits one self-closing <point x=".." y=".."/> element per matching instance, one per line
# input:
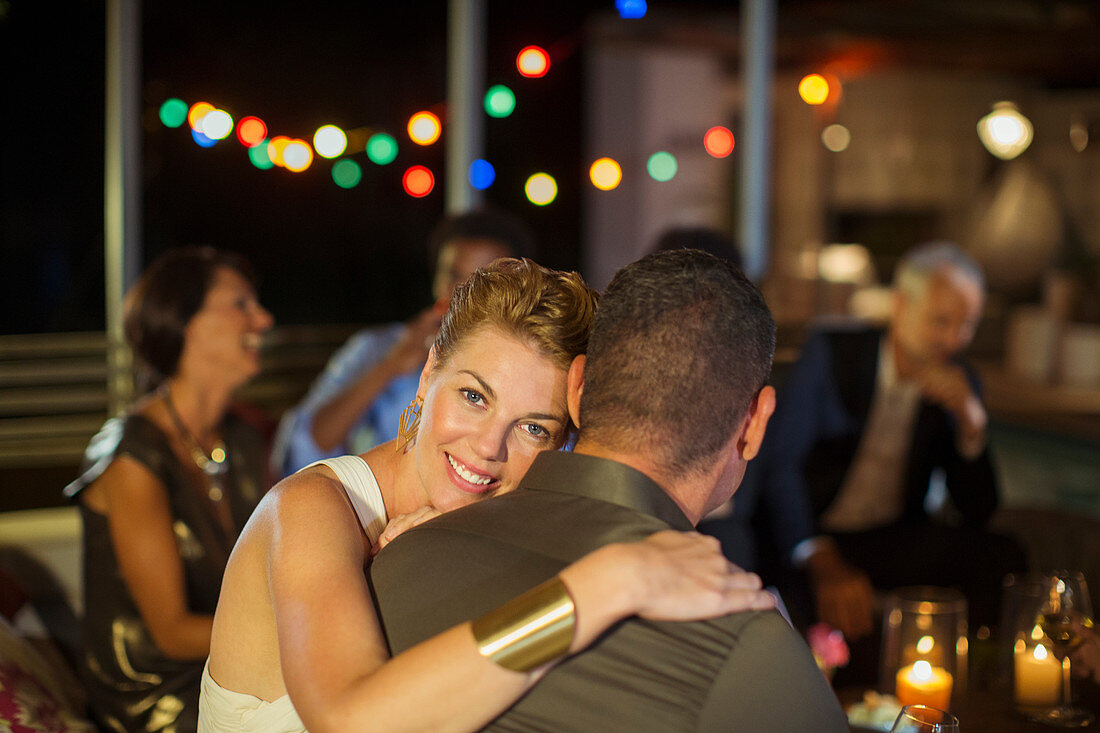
<point x="679" y="491"/>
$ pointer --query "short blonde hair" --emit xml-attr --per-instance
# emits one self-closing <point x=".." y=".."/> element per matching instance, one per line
<point x="550" y="309"/>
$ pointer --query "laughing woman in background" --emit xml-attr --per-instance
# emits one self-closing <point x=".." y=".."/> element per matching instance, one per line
<point x="167" y="489"/>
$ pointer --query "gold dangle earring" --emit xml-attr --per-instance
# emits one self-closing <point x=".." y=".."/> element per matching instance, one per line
<point x="409" y="424"/>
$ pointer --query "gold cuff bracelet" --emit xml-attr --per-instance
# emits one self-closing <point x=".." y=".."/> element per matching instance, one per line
<point x="530" y="630"/>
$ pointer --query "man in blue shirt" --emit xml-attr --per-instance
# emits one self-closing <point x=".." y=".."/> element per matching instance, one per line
<point x="357" y="400"/>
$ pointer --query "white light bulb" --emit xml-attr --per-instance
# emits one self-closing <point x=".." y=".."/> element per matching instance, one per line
<point x="1005" y="132"/>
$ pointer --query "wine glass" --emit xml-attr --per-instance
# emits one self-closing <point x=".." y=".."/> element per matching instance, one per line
<point x="923" y="719"/>
<point x="1065" y="609"/>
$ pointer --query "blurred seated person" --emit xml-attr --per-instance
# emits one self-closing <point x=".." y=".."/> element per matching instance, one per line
<point x="714" y="241"/>
<point x="863" y="421"/>
<point x="167" y="489"/>
<point x="356" y="402"/>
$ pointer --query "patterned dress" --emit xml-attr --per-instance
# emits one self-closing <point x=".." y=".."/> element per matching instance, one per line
<point x="131" y="684"/>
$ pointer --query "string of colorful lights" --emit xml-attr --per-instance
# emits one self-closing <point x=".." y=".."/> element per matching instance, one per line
<point x="208" y="125"/>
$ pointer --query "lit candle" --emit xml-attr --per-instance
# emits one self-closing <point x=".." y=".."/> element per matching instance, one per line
<point x="1038" y="676"/>
<point x="923" y="684"/>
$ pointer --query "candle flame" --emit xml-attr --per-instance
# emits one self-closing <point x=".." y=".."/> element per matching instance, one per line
<point x="925" y="644"/>
<point x="1036" y="632"/>
<point x="922" y="671"/>
<point x="1040" y="652"/>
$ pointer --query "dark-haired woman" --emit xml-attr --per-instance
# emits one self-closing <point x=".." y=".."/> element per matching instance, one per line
<point x="167" y="489"/>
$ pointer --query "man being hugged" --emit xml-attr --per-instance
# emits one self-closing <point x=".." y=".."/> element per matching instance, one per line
<point x="672" y="403"/>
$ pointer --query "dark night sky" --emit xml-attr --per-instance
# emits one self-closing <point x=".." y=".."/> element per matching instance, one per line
<point x="325" y="254"/>
<point x="330" y="255"/>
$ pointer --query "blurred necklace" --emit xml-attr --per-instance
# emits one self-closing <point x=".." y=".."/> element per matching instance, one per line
<point x="214" y="464"/>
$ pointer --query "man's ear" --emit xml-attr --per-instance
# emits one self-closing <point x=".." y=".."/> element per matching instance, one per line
<point x="760" y="411"/>
<point x="575" y="388"/>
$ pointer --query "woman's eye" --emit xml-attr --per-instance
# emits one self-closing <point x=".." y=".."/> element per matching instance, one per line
<point x="474" y="398"/>
<point x="536" y="431"/>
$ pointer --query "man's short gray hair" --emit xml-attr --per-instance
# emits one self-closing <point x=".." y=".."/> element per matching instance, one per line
<point x="923" y="261"/>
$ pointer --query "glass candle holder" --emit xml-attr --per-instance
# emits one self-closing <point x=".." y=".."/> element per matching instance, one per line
<point x="924" y="646"/>
<point x="1025" y="668"/>
<point x="1049" y="612"/>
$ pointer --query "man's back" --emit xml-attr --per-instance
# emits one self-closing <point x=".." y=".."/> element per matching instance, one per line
<point x="746" y="671"/>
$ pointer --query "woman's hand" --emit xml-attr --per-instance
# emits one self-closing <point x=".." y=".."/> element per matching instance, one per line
<point x="399" y="524"/>
<point x="669" y="576"/>
<point x="684" y="576"/>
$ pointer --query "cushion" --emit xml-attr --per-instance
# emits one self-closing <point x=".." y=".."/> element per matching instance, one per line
<point x="31" y="698"/>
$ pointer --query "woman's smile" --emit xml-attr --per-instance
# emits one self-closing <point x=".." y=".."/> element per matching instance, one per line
<point x="470" y="479"/>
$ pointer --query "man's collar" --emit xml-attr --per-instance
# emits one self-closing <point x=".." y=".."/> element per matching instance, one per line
<point x="606" y="480"/>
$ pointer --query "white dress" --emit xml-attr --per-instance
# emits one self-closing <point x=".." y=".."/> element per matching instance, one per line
<point x="226" y="711"/>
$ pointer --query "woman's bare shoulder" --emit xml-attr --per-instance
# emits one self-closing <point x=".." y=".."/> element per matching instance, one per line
<point x="311" y="501"/>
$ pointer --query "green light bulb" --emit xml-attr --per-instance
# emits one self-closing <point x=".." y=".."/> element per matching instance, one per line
<point x="381" y="148"/>
<point x="347" y="173"/>
<point x="661" y="166"/>
<point x="259" y="156"/>
<point x="173" y="112"/>
<point x="499" y="101"/>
